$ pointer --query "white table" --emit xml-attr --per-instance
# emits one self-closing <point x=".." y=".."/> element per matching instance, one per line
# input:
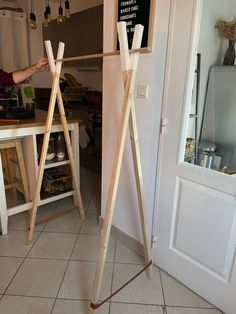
<point x="28" y="129"/>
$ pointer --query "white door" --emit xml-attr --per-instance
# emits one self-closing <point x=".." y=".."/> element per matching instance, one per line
<point x="196" y="207"/>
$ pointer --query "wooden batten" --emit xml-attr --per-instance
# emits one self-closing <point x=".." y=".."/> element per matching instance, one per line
<point x="100" y="55"/>
<point x="55" y="94"/>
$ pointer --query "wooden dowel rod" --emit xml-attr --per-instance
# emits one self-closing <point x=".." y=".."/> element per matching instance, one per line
<point x="51" y="109"/>
<point x="101" y="55"/>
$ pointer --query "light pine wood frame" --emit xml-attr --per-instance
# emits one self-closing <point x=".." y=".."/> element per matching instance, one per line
<point x="55" y="94"/>
<point x="129" y="69"/>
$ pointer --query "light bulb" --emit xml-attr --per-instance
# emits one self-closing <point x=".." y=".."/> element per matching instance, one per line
<point x="67" y="14"/>
<point x="48" y="11"/>
<point x="67" y="9"/>
<point x="45" y="23"/>
<point x="60" y="18"/>
<point x="32" y="21"/>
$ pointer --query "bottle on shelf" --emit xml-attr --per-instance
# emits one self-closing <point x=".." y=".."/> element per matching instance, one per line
<point x="51" y="149"/>
<point x="60" y="146"/>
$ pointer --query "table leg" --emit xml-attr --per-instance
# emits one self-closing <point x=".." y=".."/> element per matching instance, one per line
<point x="3" y="207"/>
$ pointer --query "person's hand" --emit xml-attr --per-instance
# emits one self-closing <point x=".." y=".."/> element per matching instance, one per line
<point x="41" y="65"/>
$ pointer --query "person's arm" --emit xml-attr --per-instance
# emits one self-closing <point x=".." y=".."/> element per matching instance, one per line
<point x="20" y="76"/>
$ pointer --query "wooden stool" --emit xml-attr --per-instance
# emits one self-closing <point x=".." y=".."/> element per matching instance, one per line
<point x="9" y="169"/>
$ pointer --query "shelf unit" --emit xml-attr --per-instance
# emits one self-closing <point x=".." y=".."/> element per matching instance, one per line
<point x="32" y="164"/>
<point x="55" y="163"/>
<point x="195" y="115"/>
<point x="28" y="130"/>
<point x="50" y="176"/>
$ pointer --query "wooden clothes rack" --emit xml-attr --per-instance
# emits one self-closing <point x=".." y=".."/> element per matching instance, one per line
<point x="129" y="69"/>
<point x="55" y="69"/>
<point x="129" y="63"/>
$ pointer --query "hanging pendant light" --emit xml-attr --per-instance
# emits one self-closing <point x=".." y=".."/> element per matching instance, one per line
<point x="32" y="20"/>
<point x="45" y="22"/>
<point x="48" y="12"/>
<point x="67" y="9"/>
<point x="60" y="18"/>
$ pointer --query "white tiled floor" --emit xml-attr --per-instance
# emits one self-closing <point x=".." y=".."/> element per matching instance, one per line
<point x="55" y="275"/>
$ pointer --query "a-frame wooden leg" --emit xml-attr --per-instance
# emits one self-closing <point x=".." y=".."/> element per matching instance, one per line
<point x="66" y="135"/>
<point x="126" y="61"/>
<point x="3" y="207"/>
<point x="71" y="156"/>
<point x="139" y="185"/>
<point x="105" y="235"/>
<point x="51" y="109"/>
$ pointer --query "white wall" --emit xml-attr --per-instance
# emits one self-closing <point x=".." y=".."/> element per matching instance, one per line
<point x="91" y="79"/>
<point x="211" y="46"/>
<point x="6" y="3"/>
<point x="151" y="72"/>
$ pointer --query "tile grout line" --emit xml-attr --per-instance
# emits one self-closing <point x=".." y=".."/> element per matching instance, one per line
<point x="133" y="303"/>
<point x="39" y="233"/>
<point x="24" y="258"/>
<point x="93" y="193"/>
<point x="168" y="306"/>
<point x="51" y="211"/>
<point x="28" y="296"/>
<point x="72" y="260"/>
<point x="112" y="277"/>
<point x="68" y="262"/>
<point x="189" y="289"/>
<point x="165" y="308"/>
<point x="54" y="207"/>
<point x="194" y="307"/>
<point x="42" y="297"/>
<point x="163" y="292"/>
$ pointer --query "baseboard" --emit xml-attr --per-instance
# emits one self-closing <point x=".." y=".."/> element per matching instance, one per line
<point x="130" y="242"/>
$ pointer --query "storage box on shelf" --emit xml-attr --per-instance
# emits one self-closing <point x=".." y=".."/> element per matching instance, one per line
<point x="56" y="181"/>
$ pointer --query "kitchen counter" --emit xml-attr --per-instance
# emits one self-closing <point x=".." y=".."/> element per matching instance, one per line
<point x="40" y="120"/>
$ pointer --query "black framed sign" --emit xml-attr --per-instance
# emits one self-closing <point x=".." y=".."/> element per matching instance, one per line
<point x="137" y="12"/>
